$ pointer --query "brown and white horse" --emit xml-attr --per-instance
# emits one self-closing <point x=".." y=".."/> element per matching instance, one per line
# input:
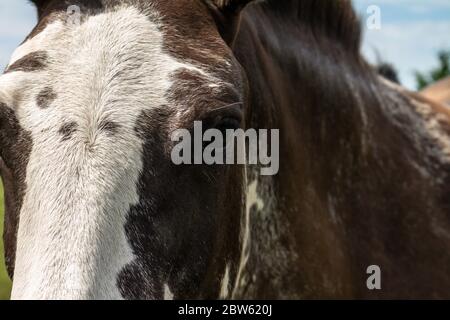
<point x="439" y="91"/>
<point x="95" y="208"/>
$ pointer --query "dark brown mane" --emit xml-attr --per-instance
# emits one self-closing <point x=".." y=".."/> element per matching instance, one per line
<point x="316" y="43"/>
<point x="363" y="155"/>
<point x="335" y="19"/>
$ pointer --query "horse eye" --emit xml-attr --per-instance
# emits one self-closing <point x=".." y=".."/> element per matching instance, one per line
<point x="225" y="118"/>
<point x="228" y="123"/>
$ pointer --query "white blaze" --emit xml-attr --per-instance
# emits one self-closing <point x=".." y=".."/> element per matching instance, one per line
<point x="71" y="240"/>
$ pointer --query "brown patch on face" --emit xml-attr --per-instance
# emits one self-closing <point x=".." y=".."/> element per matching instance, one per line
<point x="179" y="238"/>
<point x="15" y="148"/>
<point x="45" y="98"/>
<point x="195" y="39"/>
<point x="194" y="36"/>
<point x="110" y="127"/>
<point x="34" y="61"/>
<point x="67" y="130"/>
<point x="168" y="221"/>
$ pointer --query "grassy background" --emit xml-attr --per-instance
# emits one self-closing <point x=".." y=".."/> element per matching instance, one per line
<point x="5" y="284"/>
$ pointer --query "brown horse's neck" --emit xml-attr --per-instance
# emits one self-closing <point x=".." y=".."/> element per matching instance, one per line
<point x="301" y="80"/>
<point x="331" y="211"/>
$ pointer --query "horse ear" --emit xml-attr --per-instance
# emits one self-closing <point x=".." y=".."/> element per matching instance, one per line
<point x="40" y="5"/>
<point x="227" y="15"/>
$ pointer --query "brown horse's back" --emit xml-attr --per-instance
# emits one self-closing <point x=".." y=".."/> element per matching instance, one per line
<point x="439" y="91"/>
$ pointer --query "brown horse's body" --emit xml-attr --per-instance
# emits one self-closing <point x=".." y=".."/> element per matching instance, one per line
<point x="439" y="91"/>
<point x="365" y="166"/>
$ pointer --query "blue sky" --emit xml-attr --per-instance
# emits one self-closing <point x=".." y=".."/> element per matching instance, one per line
<point x="411" y="33"/>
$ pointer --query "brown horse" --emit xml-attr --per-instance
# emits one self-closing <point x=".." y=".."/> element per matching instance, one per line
<point x="439" y="91"/>
<point x="96" y="208"/>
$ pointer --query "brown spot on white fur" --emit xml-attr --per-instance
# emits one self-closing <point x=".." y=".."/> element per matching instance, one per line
<point x="35" y="61"/>
<point x="45" y="97"/>
<point x="110" y="127"/>
<point x="67" y="130"/>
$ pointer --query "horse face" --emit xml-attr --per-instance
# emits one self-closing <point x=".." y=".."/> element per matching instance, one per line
<point x="95" y="208"/>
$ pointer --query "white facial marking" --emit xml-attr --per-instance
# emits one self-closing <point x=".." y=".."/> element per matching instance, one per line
<point x="71" y="240"/>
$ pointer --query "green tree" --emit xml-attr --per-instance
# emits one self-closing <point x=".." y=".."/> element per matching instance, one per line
<point x="442" y="71"/>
